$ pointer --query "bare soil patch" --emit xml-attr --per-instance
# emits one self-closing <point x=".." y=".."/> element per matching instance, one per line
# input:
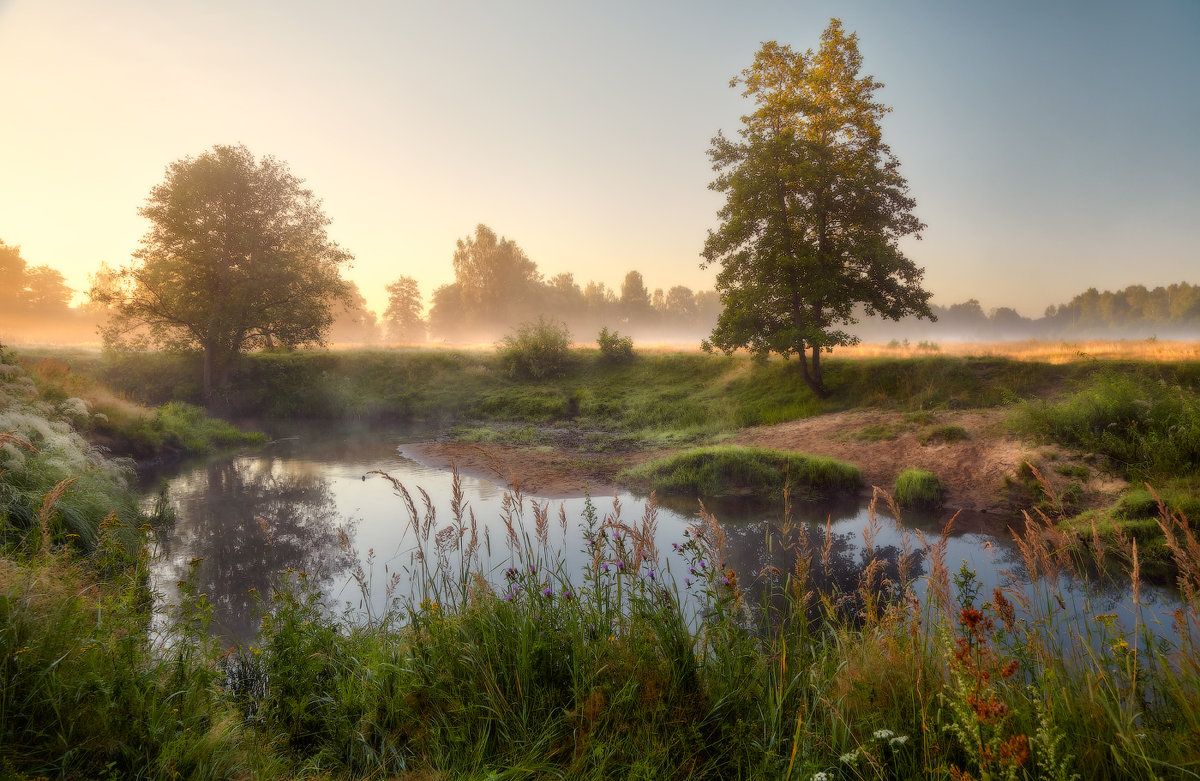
<point x="974" y="470"/>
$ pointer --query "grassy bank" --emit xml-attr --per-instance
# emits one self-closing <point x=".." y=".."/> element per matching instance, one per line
<point x="724" y="471"/>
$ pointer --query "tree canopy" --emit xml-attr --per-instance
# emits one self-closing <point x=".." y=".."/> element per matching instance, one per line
<point x="402" y="318"/>
<point x="815" y="207"/>
<point x="236" y="257"/>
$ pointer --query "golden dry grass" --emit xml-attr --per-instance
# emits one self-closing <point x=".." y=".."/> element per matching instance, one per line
<point x="1042" y="350"/>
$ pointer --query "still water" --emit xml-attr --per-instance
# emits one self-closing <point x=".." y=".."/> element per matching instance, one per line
<point x="308" y="499"/>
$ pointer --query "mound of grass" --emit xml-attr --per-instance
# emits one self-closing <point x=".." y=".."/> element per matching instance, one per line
<point x="182" y="427"/>
<point x="918" y="489"/>
<point x="744" y="471"/>
<point x="944" y="434"/>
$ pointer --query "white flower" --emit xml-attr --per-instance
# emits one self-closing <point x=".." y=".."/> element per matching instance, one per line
<point x="900" y="741"/>
<point x="850" y="758"/>
<point x="884" y="734"/>
<point x="821" y="776"/>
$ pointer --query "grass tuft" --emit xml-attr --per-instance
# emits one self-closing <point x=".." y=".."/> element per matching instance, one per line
<point x="743" y="471"/>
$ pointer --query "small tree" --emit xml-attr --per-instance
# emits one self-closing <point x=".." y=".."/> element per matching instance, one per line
<point x="402" y="318"/>
<point x="815" y="205"/>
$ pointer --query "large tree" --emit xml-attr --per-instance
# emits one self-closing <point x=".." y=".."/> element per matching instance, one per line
<point x="815" y="207"/>
<point x="236" y="257"/>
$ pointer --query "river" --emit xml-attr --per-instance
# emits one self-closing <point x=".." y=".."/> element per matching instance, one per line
<point x="311" y="501"/>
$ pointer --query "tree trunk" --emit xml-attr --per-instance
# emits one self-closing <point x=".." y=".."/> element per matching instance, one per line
<point x="814" y="378"/>
<point x="206" y="375"/>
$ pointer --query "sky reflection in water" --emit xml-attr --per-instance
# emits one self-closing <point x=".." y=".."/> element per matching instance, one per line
<point x="249" y="518"/>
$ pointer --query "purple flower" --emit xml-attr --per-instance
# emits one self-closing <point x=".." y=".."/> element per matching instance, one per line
<point x="620" y="564"/>
<point x="691" y="570"/>
<point x="675" y="546"/>
<point x="604" y="567"/>
<point x="549" y="592"/>
<point x="567" y="594"/>
<point x="725" y="581"/>
<point x="687" y="582"/>
<point x="508" y="597"/>
<point x="652" y="574"/>
<point x="701" y="563"/>
<point x="532" y="570"/>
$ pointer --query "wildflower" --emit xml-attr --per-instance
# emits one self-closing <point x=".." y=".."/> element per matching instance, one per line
<point x="849" y="758"/>
<point x="884" y="734"/>
<point x="687" y="582"/>
<point x="620" y="564"/>
<point x="604" y="567"/>
<point x="508" y="597"/>
<point x="820" y="776"/>
<point x="691" y="570"/>
<point x="547" y="591"/>
<point x="675" y="547"/>
<point x="652" y="574"/>
<point x="898" y="741"/>
<point x="567" y="594"/>
<point x="701" y="563"/>
<point x="532" y="570"/>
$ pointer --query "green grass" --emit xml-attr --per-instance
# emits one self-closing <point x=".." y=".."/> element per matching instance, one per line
<point x="603" y="673"/>
<point x="1146" y="426"/>
<point x="940" y="434"/>
<point x="742" y="471"/>
<point x="919" y="489"/>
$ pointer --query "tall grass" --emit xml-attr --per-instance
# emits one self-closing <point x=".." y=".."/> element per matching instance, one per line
<point x="647" y="663"/>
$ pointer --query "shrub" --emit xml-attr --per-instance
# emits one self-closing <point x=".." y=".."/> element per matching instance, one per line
<point x="918" y="488"/>
<point x="537" y="349"/>
<point x="614" y="347"/>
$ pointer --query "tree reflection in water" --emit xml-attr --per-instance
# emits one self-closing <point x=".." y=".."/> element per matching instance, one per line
<point x="845" y="570"/>
<point x="254" y="518"/>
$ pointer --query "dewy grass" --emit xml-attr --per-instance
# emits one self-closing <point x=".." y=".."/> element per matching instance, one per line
<point x="744" y="471"/>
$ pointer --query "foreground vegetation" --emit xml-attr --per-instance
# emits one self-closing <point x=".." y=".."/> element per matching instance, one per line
<point x="647" y="664"/>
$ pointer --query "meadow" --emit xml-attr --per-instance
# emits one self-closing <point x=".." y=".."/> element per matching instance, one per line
<point x="604" y="673"/>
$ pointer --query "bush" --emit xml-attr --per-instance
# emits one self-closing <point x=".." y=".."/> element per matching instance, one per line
<point x="614" y="347"/>
<point x="536" y="349"/>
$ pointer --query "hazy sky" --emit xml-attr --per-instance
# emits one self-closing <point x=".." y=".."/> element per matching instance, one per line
<point x="1050" y="146"/>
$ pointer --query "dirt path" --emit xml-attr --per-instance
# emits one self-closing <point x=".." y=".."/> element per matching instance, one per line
<point x="882" y="443"/>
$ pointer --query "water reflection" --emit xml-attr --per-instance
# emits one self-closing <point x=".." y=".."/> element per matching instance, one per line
<point x="249" y="518"/>
<point x="246" y="520"/>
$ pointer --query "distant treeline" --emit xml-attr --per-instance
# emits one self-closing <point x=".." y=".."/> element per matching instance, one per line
<point x="496" y="286"/>
<point x="1135" y="312"/>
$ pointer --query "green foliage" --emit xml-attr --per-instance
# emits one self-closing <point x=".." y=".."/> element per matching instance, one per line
<point x="811" y="157"/>
<point x="182" y="427"/>
<point x="614" y="348"/>
<point x="918" y="488"/>
<point x="1147" y="428"/>
<point x="537" y="349"/>
<point x="743" y="471"/>
<point x="236" y="258"/>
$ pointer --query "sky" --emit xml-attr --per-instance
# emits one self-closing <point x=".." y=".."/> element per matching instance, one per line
<point x="1050" y="146"/>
